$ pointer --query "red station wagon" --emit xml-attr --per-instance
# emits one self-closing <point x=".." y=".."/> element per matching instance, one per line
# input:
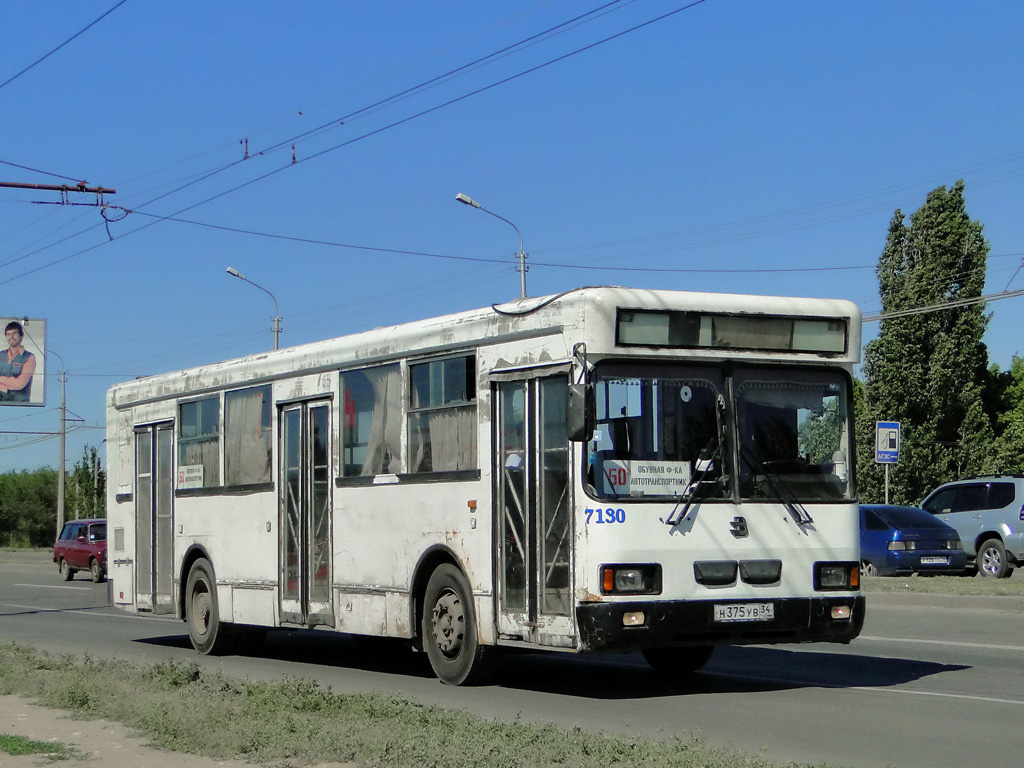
<point x="82" y="546"/>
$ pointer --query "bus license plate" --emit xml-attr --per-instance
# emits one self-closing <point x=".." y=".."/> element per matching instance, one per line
<point x="744" y="611"/>
<point x="934" y="560"/>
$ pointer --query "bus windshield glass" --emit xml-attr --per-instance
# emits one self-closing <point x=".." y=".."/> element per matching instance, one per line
<point x="657" y="427"/>
<point x="794" y="434"/>
<point x="669" y="432"/>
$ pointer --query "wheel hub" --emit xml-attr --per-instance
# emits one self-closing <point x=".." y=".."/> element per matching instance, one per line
<point x="201" y="612"/>
<point x="448" y="624"/>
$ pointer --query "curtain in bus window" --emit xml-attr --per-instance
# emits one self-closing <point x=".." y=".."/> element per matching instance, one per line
<point x="442" y="426"/>
<point x="203" y="453"/>
<point x="247" y="456"/>
<point x="199" y="439"/>
<point x="443" y="440"/>
<point x="384" y="439"/>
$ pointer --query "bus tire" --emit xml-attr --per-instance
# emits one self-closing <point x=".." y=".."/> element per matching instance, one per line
<point x="208" y="635"/>
<point x="449" y="630"/>
<point x="678" y="662"/>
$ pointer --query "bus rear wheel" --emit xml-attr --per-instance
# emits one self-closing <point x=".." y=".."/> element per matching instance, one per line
<point x="450" y="632"/>
<point x="208" y="635"/>
<point x="678" y="662"/>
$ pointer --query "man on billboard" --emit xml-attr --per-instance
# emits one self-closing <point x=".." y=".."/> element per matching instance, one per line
<point x="16" y="367"/>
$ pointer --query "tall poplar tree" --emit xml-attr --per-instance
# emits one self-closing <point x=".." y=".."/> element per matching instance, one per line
<point x="928" y="370"/>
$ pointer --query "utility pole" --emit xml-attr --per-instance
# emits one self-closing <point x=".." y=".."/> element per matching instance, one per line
<point x="60" y="454"/>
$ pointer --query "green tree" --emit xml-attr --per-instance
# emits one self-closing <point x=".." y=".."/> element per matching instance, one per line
<point x="1009" y="445"/>
<point x="929" y="370"/>
<point x="28" y="508"/>
<point x="85" y="487"/>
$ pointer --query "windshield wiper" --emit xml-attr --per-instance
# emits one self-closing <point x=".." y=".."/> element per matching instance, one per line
<point x="775" y="481"/>
<point x="704" y="463"/>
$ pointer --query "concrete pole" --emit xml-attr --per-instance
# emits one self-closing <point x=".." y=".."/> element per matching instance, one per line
<point x="60" y="455"/>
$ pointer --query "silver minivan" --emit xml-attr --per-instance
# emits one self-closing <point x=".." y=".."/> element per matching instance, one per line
<point x="988" y="513"/>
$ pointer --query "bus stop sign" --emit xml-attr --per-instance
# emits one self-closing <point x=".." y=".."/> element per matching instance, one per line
<point x="887" y="442"/>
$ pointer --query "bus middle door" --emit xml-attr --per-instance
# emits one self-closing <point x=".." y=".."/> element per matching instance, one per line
<point x="305" y="514"/>
<point x="533" y="512"/>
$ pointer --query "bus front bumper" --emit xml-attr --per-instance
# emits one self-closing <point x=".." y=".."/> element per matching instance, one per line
<point x="606" y="627"/>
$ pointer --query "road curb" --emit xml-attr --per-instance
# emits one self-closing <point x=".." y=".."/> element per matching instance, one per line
<point x="1002" y="603"/>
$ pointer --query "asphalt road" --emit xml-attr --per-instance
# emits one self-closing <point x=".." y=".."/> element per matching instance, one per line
<point x="932" y="682"/>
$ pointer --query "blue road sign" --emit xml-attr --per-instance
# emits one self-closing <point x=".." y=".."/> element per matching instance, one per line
<point x="887" y="442"/>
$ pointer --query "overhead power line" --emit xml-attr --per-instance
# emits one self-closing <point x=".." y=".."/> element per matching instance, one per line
<point x="942" y="306"/>
<point x="36" y="170"/>
<point x="79" y="32"/>
<point x="504" y="262"/>
<point x="349" y="142"/>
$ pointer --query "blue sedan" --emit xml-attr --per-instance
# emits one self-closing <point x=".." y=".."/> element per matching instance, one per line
<point x="903" y="540"/>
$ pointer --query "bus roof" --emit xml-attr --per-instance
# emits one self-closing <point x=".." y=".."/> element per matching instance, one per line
<point x="584" y="314"/>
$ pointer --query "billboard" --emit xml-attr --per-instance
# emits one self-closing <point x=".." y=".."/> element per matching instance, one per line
<point x="23" y="362"/>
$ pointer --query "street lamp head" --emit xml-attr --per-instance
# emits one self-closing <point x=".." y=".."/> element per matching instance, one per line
<point x="467" y="200"/>
<point x="236" y="273"/>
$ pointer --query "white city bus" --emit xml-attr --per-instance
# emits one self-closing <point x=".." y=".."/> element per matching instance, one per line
<point x="604" y="470"/>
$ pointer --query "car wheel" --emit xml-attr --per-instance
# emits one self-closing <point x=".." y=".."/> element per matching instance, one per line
<point x="208" y="635"/>
<point x="868" y="568"/>
<point x="992" y="559"/>
<point x="449" y="630"/>
<point x="96" y="571"/>
<point x="65" y="570"/>
<point x="678" y="662"/>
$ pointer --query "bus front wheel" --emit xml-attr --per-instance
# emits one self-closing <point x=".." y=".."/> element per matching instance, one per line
<point x="208" y="635"/>
<point x="450" y="632"/>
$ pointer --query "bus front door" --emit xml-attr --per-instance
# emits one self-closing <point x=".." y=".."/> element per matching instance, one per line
<point x="305" y="514"/>
<point x="154" y="518"/>
<point x="534" y="524"/>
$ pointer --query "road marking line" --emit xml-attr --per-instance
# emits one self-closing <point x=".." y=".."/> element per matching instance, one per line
<point x="939" y="695"/>
<point x="942" y="642"/>
<point x="49" y="586"/>
<point x="865" y="688"/>
<point x="91" y="613"/>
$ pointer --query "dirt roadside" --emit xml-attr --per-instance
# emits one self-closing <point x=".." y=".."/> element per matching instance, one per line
<point x="97" y="742"/>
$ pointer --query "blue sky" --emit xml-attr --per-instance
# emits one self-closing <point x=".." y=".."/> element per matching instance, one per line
<point x="753" y="144"/>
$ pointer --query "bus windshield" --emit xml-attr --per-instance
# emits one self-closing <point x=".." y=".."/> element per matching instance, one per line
<point x="794" y="434"/>
<point x="666" y="431"/>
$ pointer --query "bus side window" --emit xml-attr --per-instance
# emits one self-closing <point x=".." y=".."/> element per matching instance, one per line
<point x="247" y="439"/>
<point x="372" y="421"/>
<point x="442" y="415"/>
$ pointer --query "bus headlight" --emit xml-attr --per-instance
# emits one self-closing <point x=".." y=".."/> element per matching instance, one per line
<point x="631" y="579"/>
<point x="836" y="576"/>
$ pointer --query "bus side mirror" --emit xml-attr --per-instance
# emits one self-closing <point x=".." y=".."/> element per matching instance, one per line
<point x="580" y="413"/>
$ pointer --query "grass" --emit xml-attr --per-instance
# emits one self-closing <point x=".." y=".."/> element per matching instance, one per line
<point x="976" y="586"/>
<point x="295" y="721"/>
<point x="18" y="745"/>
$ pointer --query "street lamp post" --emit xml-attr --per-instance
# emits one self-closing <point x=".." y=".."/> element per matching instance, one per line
<point x="467" y="200"/>
<point x="277" y="314"/>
